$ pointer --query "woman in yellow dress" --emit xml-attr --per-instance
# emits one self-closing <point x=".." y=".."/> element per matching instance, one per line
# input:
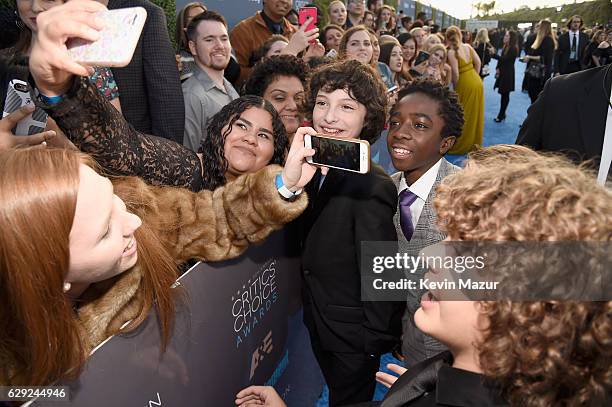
<point x="465" y="66"/>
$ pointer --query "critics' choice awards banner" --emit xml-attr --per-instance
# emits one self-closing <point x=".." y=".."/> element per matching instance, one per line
<point x="238" y="323"/>
<point x="409" y="7"/>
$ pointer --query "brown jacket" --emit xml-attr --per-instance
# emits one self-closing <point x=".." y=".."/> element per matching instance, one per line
<point x="248" y="36"/>
<point x="207" y="225"/>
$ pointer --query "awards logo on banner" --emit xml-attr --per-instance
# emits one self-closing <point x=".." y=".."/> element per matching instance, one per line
<point x="236" y="324"/>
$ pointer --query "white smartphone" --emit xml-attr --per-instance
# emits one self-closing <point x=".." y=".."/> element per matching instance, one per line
<point x="347" y="155"/>
<point x="117" y="42"/>
<point x="17" y="96"/>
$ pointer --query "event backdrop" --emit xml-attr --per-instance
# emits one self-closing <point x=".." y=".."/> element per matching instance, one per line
<point x="239" y="323"/>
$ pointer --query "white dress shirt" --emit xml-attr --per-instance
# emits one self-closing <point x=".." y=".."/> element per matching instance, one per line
<point x="421" y="188"/>
<point x="573" y="34"/>
<point x="606" y="152"/>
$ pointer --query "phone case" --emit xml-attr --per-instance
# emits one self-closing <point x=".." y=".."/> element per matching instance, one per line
<point x="117" y="42"/>
<point x="308" y="144"/>
<point x="18" y="95"/>
<point x="306" y="12"/>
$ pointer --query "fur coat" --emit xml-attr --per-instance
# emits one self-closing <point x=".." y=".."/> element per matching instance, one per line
<point x="207" y="225"/>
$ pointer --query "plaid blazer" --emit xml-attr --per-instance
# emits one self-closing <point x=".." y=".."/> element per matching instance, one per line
<point x="149" y="87"/>
<point x="417" y="346"/>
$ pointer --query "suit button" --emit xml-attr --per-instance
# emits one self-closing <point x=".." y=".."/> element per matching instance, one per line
<point x="306" y="272"/>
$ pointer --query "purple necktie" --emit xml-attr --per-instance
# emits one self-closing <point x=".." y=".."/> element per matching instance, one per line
<point x="406" y="198"/>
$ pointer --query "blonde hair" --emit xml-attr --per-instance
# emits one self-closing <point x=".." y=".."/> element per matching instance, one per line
<point x="545" y="30"/>
<point x="482" y="37"/>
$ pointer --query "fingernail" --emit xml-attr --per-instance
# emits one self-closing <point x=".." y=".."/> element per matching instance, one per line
<point x="44" y="144"/>
<point x="30" y="107"/>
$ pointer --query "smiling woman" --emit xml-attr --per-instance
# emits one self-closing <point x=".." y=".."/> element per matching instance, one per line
<point x="245" y="136"/>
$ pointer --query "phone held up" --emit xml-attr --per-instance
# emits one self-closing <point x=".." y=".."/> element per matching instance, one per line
<point x="342" y="154"/>
<point x="17" y="96"/>
<point x="303" y="15"/>
<point x="117" y="42"/>
<point x="422" y="57"/>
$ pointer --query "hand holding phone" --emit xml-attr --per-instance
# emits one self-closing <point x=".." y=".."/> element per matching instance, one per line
<point x="117" y="42"/>
<point x="303" y="15"/>
<point x="347" y="155"/>
<point x="422" y="57"/>
<point x="18" y="96"/>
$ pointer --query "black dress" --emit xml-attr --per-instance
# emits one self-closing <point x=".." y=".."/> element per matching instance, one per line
<point x="505" y="81"/>
<point x="483" y="53"/>
<point x="546" y="53"/>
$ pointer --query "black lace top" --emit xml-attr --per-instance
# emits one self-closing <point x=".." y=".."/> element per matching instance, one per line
<point x="97" y="128"/>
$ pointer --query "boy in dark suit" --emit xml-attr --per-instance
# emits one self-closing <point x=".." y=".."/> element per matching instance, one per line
<point x="423" y="126"/>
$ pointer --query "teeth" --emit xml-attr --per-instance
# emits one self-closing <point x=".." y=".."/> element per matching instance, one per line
<point x="401" y="151"/>
<point x="130" y="245"/>
<point x="331" y="131"/>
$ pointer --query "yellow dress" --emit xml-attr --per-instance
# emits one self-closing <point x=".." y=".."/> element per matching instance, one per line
<point x="471" y="96"/>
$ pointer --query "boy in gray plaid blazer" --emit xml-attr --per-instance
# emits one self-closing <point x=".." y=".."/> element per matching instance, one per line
<point x="423" y="126"/>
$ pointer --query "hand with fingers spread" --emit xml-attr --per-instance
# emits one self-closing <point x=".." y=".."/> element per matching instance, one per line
<point x="297" y="172"/>
<point x="9" y="140"/>
<point x="259" y="396"/>
<point x="301" y="39"/>
<point x="387" y="379"/>
<point x="50" y="63"/>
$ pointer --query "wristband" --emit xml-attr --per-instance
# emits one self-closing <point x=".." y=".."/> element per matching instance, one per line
<point x="50" y="100"/>
<point x="283" y="190"/>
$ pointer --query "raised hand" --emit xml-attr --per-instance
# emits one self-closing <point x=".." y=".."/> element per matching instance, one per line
<point x="9" y="140"/>
<point x="300" y="39"/>
<point x="50" y="64"/>
<point x="259" y="396"/>
<point x="297" y="172"/>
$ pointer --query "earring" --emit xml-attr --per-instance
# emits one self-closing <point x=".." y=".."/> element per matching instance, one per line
<point x="67" y="287"/>
<point x="18" y="21"/>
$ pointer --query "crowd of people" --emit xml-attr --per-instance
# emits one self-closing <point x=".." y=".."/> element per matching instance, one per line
<point x="195" y="153"/>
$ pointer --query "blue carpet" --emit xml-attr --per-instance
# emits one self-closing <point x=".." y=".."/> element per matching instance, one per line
<point x="494" y="133"/>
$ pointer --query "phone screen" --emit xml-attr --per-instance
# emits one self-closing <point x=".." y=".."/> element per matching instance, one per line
<point x="336" y="153"/>
<point x="422" y="57"/>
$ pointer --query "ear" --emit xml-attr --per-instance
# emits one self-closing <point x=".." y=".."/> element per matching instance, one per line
<point x="446" y="144"/>
<point x="192" y="48"/>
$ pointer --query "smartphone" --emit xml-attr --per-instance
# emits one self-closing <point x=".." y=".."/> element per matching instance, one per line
<point x="117" y="42"/>
<point x="17" y="96"/>
<point x="332" y="53"/>
<point x="392" y="89"/>
<point x="422" y="57"/>
<point x="306" y="12"/>
<point x="347" y="155"/>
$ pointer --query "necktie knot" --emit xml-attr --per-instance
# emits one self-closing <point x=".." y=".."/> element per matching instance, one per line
<point x="407" y="197"/>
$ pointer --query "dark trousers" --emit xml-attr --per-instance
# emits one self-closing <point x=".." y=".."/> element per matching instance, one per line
<point x="350" y="377"/>
<point x="505" y="100"/>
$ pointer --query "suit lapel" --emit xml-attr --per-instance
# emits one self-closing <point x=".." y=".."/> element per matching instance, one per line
<point x="592" y="109"/>
<point x="320" y="196"/>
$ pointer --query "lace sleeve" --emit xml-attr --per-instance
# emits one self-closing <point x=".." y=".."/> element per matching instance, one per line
<point x="97" y="128"/>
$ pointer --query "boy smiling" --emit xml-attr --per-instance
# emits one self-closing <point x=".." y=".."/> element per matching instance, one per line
<point x="423" y="126"/>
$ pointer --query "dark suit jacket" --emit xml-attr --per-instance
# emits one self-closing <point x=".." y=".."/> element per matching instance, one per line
<point x="564" y="48"/>
<point x="433" y="382"/>
<point x="149" y="87"/>
<point x="505" y="63"/>
<point x="349" y="208"/>
<point x="569" y="115"/>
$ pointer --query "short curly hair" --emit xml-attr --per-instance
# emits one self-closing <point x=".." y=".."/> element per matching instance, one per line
<point x="267" y="71"/>
<point x="213" y="145"/>
<point x="541" y="353"/>
<point x="362" y="83"/>
<point x="450" y="108"/>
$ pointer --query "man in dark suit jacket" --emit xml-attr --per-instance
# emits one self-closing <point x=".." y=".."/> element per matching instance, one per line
<point x="570" y="51"/>
<point x="570" y="115"/>
<point x="149" y="86"/>
<point x="348" y="335"/>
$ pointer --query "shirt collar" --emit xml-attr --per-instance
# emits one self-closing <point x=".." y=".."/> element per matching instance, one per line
<point x="276" y="28"/>
<point x="206" y="82"/>
<point x="422" y="186"/>
<point x="457" y="387"/>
